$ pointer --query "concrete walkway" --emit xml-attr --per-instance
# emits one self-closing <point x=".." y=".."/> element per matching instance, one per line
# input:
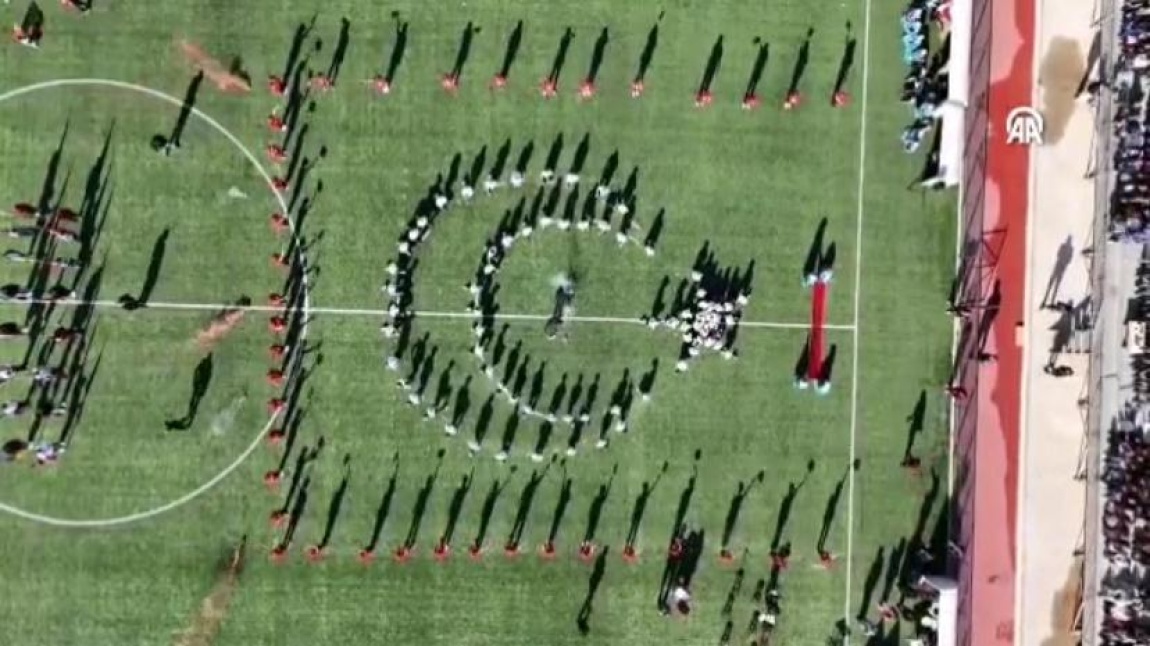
<point x="1052" y="502"/>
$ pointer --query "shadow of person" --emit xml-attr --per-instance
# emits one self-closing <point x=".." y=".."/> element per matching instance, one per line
<point x="201" y="379"/>
<point x="648" y="53"/>
<point x="1061" y="262"/>
<point x="846" y="62"/>
<point x="915" y="423"/>
<point x="597" y="54"/>
<point x="151" y="277"/>
<point x="714" y="61"/>
<point x="464" y="52"/>
<point x="340" y="53"/>
<point x="801" y="62"/>
<point x="384" y="508"/>
<point x="561" y="54"/>
<point x="175" y="138"/>
<point x="512" y="50"/>
<point x="398" y="49"/>
<point x="593" y="584"/>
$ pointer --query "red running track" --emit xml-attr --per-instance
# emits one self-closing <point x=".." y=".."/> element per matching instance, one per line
<point x="1000" y="383"/>
<point x="818" y="334"/>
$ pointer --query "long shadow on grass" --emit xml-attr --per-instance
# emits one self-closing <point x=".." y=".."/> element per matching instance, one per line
<point x="846" y="62"/>
<point x="160" y="143"/>
<point x="733" y="592"/>
<point x="62" y="398"/>
<point x="714" y="61"/>
<point x="511" y="52"/>
<point x="870" y="583"/>
<point x="733" y="511"/>
<point x="299" y="476"/>
<point x="48" y="194"/>
<point x="915" y="422"/>
<point x="201" y="379"/>
<point x="464" y="52"/>
<point x="560" y="511"/>
<point x="151" y="277"/>
<point x="302" y="31"/>
<point x="648" y="54"/>
<point x="893" y="568"/>
<point x="597" y="54"/>
<point x="595" y="511"/>
<point x="487" y="511"/>
<point x="685" y="497"/>
<point x="640" y="508"/>
<point x="455" y="507"/>
<point x="95" y="205"/>
<point x="340" y="53"/>
<point x="383" y="510"/>
<point x="289" y="432"/>
<point x="421" y="499"/>
<point x="336" y="504"/>
<point x="526" y="499"/>
<point x="502" y="155"/>
<point x="510" y="430"/>
<point x="831" y="509"/>
<point x="77" y="395"/>
<point x="579" y="160"/>
<point x="461" y="406"/>
<point x="582" y="621"/>
<point x="476" y="168"/>
<point x="760" y="64"/>
<point x="395" y="59"/>
<point x="802" y="60"/>
<point x="787" y="506"/>
<point x="298" y="507"/>
<point x="561" y="55"/>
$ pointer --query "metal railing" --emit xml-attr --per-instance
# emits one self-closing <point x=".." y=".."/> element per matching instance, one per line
<point x="976" y="266"/>
<point x="1106" y="19"/>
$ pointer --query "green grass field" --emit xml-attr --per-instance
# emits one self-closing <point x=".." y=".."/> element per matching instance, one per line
<point x="752" y="184"/>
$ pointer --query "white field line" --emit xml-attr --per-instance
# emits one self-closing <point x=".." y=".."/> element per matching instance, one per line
<point x="855" y="378"/>
<point x="379" y="313"/>
<point x="258" y="439"/>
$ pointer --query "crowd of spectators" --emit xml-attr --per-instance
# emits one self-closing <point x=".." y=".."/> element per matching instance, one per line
<point x="925" y="85"/>
<point x="1125" y="586"/>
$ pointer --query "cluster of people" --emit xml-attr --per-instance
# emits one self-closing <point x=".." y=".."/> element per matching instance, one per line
<point x="557" y="203"/>
<point x="924" y="87"/>
<point x="1125" y="587"/>
<point x="707" y="315"/>
<point x="708" y="324"/>
<point x="1131" y="193"/>
<point x="46" y="230"/>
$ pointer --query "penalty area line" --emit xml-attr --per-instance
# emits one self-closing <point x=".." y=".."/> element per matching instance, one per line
<point x="380" y="313"/>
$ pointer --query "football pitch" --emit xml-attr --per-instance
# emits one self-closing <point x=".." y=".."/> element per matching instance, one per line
<point x="120" y="541"/>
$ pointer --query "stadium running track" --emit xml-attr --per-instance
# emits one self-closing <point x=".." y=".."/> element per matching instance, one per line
<point x="1000" y="383"/>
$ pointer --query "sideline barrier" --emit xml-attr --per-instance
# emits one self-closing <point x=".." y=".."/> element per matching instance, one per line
<point x="975" y="264"/>
<point x="1100" y="341"/>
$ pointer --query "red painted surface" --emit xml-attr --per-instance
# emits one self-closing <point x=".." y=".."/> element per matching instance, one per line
<point x="818" y="324"/>
<point x="1006" y="203"/>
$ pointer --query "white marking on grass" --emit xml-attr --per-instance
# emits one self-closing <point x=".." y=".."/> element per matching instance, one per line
<point x="255" y="443"/>
<point x="430" y="314"/>
<point x="94" y="523"/>
<point x="855" y="378"/>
